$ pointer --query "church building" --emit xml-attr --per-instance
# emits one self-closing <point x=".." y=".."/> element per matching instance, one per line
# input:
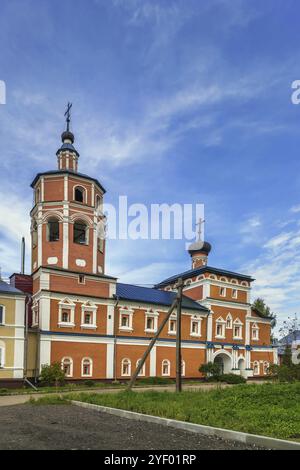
<point x="98" y="328"/>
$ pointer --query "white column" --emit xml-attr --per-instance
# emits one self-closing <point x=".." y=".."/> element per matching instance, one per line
<point x="40" y="239"/>
<point x="95" y="246"/>
<point x="248" y="359"/>
<point x="209" y="326"/>
<point x="45" y="351"/>
<point x="110" y="320"/>
<point x="66" y="236"/>
<point x="153" y="362"/>
<point x="44" y="313"/>
<point x="110" y="361"/>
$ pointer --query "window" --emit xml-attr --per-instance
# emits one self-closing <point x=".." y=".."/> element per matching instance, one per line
<point x="2" y="354"/>
<point x="237" y="329"/>
<point x="255" y="368"/>
<point x="150" y="323"/>
<point x="255" y="332"/>
<point x="142" y="371"/>
<point x="87" y="318"/>
<point x="53" y="230"/>
<point x="35" y="313"/>
<point x="220" y="328"/>
<point x="234" y="293"/>
<point x="81" y="279"/>
<point x="265" y="368"/>
<point x="79" y="194"/>
<point x="80" y="233"/>
<point x="67" y="366"/>
<point x="87" y="367"/>
<point x="66" y="313"/>
<point x="229" y="321"/>
<point x="222" y="291"/>
<point x="195" y="327"/>
<point x="126" y="367"/>
<point x="125" y="322"/>
<point x="165" y="368"/>
<point x="172" y="326"/>
<point x="89" y="315"/>
<point x="2" y="308"/>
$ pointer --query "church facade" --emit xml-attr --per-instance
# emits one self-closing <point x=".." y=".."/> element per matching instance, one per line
<point x="98" y="328"/>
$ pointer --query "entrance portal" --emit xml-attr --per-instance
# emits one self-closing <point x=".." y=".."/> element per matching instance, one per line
<point x="224" y="362"/>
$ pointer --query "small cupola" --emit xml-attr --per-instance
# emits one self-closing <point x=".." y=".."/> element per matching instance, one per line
<point x="200" y="249"/>
<point x="67" y="155"/>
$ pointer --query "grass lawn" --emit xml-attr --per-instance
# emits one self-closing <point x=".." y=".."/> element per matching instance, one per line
<point x="268" y="409"/>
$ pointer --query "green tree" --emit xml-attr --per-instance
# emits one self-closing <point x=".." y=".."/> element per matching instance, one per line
<point x="264" y="310"/>
<point x="52" y="374"/>
<point x="211" y="369"/>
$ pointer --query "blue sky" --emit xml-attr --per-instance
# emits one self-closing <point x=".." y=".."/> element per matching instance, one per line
<point x="182" y="101"/>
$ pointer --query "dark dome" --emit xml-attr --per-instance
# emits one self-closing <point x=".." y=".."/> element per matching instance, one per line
<point x="205" y="247"/>
<point x="67" y="135"/>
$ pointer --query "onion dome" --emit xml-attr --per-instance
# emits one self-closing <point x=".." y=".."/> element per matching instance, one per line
<point x="199" y="245"/>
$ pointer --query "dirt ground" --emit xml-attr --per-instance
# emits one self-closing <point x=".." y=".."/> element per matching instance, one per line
<point x="70" y="427"/>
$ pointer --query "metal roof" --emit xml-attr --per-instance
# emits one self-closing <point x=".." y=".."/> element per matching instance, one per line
<point x="154" y="296"/>
<point x="66" y="172"/>
<point x="8" y="289"/>
<point x="69" y="147"/>
<point x="202" y="270"/>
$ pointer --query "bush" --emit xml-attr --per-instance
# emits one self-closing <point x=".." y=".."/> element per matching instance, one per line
<point x="232" y="379"/>
<point x="89" y="383"/>
<point x="52" y="374"/>
<point x="4" y="391"/>
<point x="155" y="381"/>
<point x="210" y="369"/>
<point x="284" y="372"/>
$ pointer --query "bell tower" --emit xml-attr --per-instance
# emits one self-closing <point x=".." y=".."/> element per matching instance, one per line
<point x="67" y="223"/>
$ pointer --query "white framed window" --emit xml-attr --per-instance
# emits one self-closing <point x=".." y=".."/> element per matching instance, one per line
<point x="142" y="371"/>
<point x="66" y="313"/>
<point x="234" y="293"/>
<point x="222" y="291"/>
<point x="172" y="325"/>
<point x="2" y="354"/>
<point x="165" y="367"/>
<point x="255" y="332"/>
<point x="183" y="368"/>
<point x="53" y="229"/>
<point x="126" y="367"/>
<point x="237" y="329"/>
<point x="151" y="321"/>
<point x="229" y="321"/>
<point x="86" y="367"/>
<point x="35" y="313"/>
<point x="126" y="319"/>
<point x="67" y="366"/>
<point x="256" y="369"/>
<point x="265" y="367"/>
<point x="220" y="328"/>
<point x="80" y="232"/>
<point x="195" y="326"/>
<point x="88" y="315"/>
<point x="2" y="315"/>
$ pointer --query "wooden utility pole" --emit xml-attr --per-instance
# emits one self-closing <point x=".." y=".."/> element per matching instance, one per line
<point x="178" y="336"/>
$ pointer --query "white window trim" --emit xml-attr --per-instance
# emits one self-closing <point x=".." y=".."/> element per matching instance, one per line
<point x="229" y="317"/>
<point x="3" y="314"/>
<point x="220" y="322"/>
<point x="84" y="194"/>
<point x="35" y="313"/>
<point x="143" y="369"/>
<point x="266" y="364"/>
<point x="169" y="368"/>
<point x="129" y="367"/>
<point x="234" y="294"/>
<point x="173" y="317"/>
<point x="66" y="305"/>
<point x="255" y="329"/>
<point x="256" y="363"/>
<point x="2" y="356"/>
<point x="128" y="312"/>
<point x="237" y="323"/>
<point x="199" y="323"/>
<point x="155" y="316"/>
<point x="71" y="365"/>
<point x="89" y="308"/>
<point x="91" y="367"/>
<point x="87" y="231"/>
<point x="224" y="290"/>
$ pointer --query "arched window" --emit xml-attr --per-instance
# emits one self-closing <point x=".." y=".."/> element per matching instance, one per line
<point x="126" y="367"/>
<point x="255" y="332"/>
<point x="80" y="233"/>
<point x="67" y="366"/>
<point x="86" y="367"/>
<point x="266" y="367"/>
<point x="142" y="372"/>
<point x="79" y="194"/>
<point x="165" y="367"/>
<point x="229" y="321"/>
<point x="2" y="354"/>
<point x="255" y="368"/>
<point x="53" y="229"/>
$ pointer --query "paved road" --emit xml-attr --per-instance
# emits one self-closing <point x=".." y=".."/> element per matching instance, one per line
<point x="70" y="427"/>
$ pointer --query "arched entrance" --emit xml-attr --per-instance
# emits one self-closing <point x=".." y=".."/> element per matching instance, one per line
<point x="224" y="362"/>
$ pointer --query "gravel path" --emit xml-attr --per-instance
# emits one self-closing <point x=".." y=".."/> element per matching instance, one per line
<point x="69" y="427"/>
